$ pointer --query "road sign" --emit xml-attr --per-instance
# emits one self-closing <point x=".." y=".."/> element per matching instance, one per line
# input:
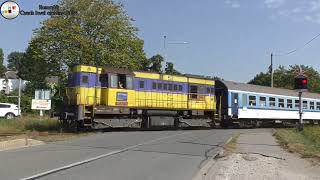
<point x="42" y="94"/>
<point x="40" y="104"/>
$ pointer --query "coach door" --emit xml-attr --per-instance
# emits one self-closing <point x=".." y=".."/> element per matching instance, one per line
<point x="234" y="103"/>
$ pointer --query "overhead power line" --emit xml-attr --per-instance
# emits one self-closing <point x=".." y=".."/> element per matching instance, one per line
<point x="297" y="49"/>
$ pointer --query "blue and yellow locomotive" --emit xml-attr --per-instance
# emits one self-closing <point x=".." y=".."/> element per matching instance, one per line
<point x="111" y="97"/>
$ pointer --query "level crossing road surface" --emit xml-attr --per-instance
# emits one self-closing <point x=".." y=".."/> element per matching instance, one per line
<point x="133" y="155"/>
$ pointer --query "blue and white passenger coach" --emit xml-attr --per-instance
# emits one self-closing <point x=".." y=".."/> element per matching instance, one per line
<point x="252" y="105"/>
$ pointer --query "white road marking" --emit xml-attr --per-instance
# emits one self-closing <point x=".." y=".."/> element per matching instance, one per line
<point x="96" y="158"/>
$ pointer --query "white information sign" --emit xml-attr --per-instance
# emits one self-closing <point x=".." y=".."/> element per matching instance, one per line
<point x="41" y="104"/>
<point x="42" y="94"/>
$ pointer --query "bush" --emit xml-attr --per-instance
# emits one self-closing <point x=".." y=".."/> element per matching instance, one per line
<point x="29" y="123"/>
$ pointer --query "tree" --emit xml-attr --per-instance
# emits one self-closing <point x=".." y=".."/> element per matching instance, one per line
<point x="156" y="63"/>
<point x="170" y="69"/>
<point x="14" y="60"/>
<point x="284" y="78"/>
<point x="2" y="67"/>
<point x="36" y="67"/>
<point x="97" y="32"/>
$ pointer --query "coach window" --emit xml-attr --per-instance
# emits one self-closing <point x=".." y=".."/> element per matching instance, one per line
<point x="318" y="106"/>
<point x="305" y="104"/>
<point x="154" y="85"/>
<point x="252" y="101"/>
<point x="281" y="103"/>
<point x="289" y="103"/>
<point x="141" y="84"/>
<point x="170" y="87"/>
<point x="180" y="87"/>
<point x="159" y="86"/>
<point x="263" y="101"/>
<point x="312" y="105"/>
<point x="296" y="104"/>
<point x="165" y="86"/>
<point x="272" y="101"/>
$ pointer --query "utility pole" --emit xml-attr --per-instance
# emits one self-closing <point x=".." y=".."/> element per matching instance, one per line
<point x="19" y="98"/>
<point x="271" y="70"/>
<point x="164" y="42"/>
<point x="300" y="125"/>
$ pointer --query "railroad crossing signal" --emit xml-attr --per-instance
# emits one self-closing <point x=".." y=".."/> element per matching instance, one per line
<point x="301" y="82"/>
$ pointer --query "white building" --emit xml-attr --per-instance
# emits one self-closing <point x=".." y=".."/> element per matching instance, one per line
<point x="9" y="85"/>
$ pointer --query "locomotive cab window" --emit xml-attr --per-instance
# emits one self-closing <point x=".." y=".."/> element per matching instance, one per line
<point x="121" y="81"/>
<point x="103" y="78"/>
<point x="252" y="101"/>
<point x="114" y="81"/>
<point x="129" y="82"/>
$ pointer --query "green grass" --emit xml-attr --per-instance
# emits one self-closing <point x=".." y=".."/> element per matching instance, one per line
<point x="230" y="147"/>
<point x="27" y="124"/>
<point x="306" y="142"/>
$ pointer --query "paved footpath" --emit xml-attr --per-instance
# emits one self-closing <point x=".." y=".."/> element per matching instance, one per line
<point x="135" y="155"/>
<point x="259" y="156"/>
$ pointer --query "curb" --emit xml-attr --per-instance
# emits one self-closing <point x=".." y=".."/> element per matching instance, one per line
<point x="201" y="174"/>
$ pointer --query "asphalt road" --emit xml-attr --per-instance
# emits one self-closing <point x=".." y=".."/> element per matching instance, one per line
<point x="134" y="155"/>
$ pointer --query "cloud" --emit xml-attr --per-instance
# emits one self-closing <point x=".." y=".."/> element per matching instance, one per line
<point x="296" y="10"/>
<point x="232" y="3"/>
<point x="274" y="3"/>
<point x="314" y="6"/>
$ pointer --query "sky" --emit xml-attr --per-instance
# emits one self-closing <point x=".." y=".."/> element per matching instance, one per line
<point x="232" y="39"/>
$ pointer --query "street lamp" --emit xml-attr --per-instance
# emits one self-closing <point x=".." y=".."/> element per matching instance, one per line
<point x="172" y="42"/>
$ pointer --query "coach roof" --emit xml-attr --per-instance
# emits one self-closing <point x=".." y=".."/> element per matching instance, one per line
<point x="268" y="90"/>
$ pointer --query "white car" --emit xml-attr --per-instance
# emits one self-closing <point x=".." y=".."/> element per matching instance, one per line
<point x="9" y="111"/>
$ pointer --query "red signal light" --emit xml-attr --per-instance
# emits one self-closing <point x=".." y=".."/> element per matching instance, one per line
<point x="304" y="81"/>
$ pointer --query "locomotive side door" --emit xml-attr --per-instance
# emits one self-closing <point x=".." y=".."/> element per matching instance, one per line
<point x="234" y="103"/>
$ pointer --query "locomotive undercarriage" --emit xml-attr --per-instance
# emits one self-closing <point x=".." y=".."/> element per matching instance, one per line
<point x="114" y="117"/>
